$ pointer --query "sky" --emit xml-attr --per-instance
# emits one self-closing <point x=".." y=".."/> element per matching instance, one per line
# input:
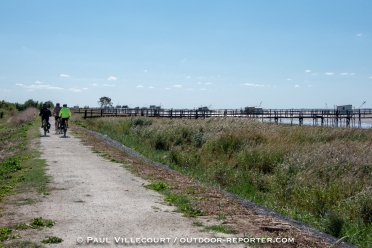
<point x="188" y="53"/>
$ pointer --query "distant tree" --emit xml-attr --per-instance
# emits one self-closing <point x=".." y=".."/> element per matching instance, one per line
<point x="31" y="103"/>
<point x="49" y="103"/>
<point x="105" y="102"/>
<point x="7" y="107"/>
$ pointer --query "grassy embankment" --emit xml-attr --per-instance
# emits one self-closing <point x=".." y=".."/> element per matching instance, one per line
<point x="20" y="170"/>
<point x="317" y="175"/>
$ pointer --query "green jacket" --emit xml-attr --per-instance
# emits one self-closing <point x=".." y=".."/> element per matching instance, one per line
<point x="65" y="112"/>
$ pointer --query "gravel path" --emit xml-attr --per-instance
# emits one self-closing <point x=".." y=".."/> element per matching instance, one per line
<point x="99" y="203"/>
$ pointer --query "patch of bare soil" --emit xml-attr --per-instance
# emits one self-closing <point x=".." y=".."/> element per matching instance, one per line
<point x="246" y="220"/>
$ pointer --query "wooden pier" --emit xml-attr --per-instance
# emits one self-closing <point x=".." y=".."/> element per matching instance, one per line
<point x="316" y="117"/>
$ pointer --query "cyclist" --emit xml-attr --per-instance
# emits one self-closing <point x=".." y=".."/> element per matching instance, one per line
<point x="45" y="114"/>
<point x="56" y="115"/>
<point x="65" y="113"/>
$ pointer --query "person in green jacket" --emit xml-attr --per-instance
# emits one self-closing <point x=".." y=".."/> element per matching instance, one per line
<point x="65" y="113"/>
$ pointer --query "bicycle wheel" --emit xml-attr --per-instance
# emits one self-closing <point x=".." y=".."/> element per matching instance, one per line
<point x="45" y="128"/>
<point x="64" y="127"/>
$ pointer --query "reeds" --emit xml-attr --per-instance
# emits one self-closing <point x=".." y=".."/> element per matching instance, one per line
<point x="320" y="175"/>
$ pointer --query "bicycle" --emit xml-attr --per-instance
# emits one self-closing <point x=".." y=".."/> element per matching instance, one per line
<point x="45" y="127"/>
<point x="63" y="127"/>
<point x="59" y="124"/>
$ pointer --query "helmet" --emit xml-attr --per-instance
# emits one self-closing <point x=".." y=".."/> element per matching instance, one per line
<point x="64" y="105"/>
<point x="57" y="103"/>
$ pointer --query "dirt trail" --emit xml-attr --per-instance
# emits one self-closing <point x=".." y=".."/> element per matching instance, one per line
<point x="99" y="203"/>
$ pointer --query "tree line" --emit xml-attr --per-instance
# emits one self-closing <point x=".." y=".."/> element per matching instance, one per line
<point x="9" y="108"/>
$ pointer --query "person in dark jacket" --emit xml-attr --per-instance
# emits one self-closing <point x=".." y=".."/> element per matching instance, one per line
<point x="45" y="114"/>
<point x="56" y="114"/>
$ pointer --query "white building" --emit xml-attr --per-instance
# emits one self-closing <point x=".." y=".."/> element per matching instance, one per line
<point x="345" y="109"/>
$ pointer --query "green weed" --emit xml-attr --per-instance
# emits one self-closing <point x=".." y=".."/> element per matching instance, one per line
<point x="40" y="222"/>
<point x="157" y="186"/>
<point x="52" y="240"/>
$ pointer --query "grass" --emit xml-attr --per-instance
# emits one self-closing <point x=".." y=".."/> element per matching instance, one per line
<point x="40" y="222"/>
<point x="184" y="204"/>
<point x="20" y="169"/>
<point x="318" y="175"/>
<point x="52" y="240"/>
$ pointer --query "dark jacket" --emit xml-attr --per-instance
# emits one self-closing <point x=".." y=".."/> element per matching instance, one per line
<point x="45" y="113"/>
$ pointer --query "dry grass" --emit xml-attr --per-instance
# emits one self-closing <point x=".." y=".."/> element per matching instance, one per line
<point x="23" y="117"/>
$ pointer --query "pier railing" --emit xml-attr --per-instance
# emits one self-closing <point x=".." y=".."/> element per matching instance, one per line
<point x="323" y="117"/>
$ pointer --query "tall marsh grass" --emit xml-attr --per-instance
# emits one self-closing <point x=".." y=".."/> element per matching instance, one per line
<point x="318" y="175"/>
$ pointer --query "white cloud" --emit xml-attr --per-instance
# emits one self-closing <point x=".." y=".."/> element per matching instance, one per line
<point x="167" y="88"/>
<point x="289" y="79"/>
<point x="112" y="78"/>
<point x="346" y="74"/>
<point x="199" y="82"/>
<point x="184" y="60"/>
<point x="370" y="77"/>
<point x="311" y="86"/>
<point x="189" y="89"/>
<point x="359" y="35"/>
<point x="111" y="85"/>
<point x="94" y="85"/>
<point x="139" y="86"/>
<point x="188" y="77"/>
<point x="307" y="71"/>
<point x="64" y="75"/>
<point x="297" y="86"/>
<point x="314" y="74"/>
<point x="177" y="86"/>
<point x="203" y="89"/>
<point x="208" y="83"/>
<point x="145" y="71"/>
<point x="85" y="88"/>
<point x="255" y="85"/>
<point x="74" y="90"/>
<point x="40" y="86"/>
<point x="329" y="73"/>
<point x="151" y="87"/>
<point x="38" y="82"/>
